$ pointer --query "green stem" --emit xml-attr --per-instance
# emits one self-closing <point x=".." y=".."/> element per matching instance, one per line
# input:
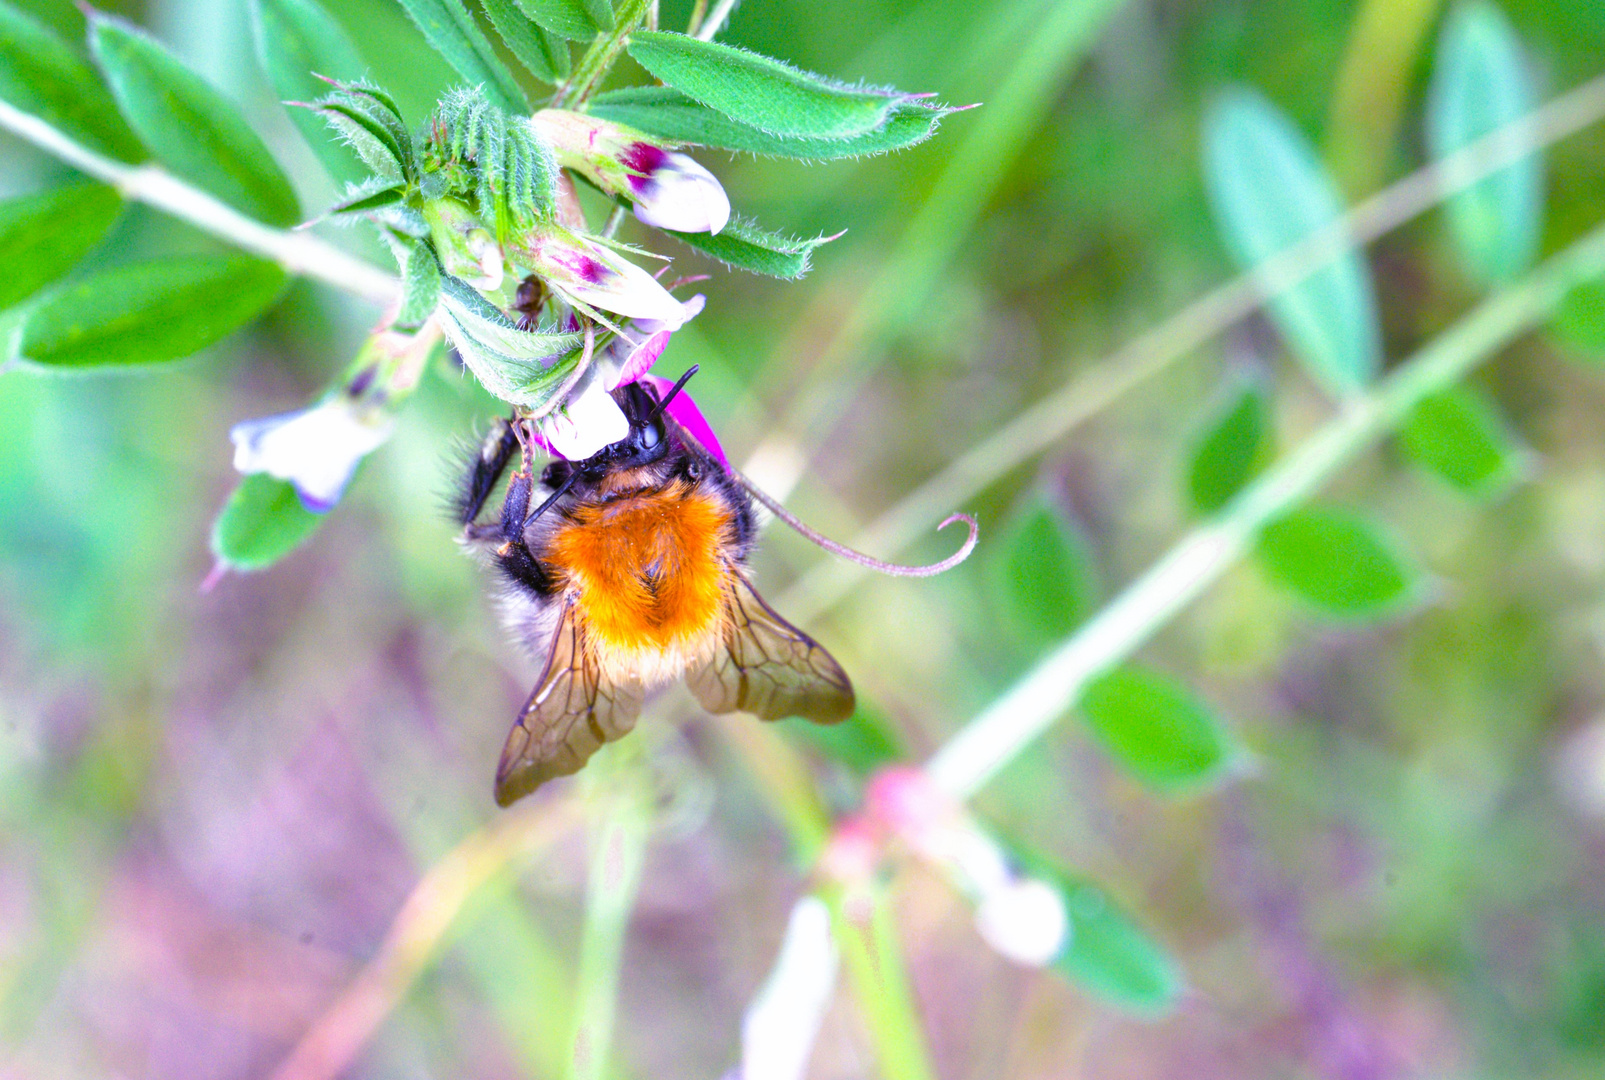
<point x="874" y="963"/>
<point x="991" y="740"/>
<point x="298" y="252"/>
<point x="600" y="57"/>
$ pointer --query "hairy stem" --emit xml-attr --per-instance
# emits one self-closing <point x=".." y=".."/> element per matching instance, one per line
<point x="298" y="252"/>
<point x="991" y="740"/>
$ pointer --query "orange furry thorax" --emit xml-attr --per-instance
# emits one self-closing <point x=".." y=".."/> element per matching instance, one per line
<point x="650" y="573"/>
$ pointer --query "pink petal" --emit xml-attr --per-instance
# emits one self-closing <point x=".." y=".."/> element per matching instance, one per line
<point x="683" y="411"/>
<point x="641" y="359"/>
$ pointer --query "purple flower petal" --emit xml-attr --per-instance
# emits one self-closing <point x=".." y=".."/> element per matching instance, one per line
<point x="683" y="411"/>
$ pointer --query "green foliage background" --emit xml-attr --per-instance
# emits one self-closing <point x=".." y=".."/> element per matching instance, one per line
<point x="212" y="805"/>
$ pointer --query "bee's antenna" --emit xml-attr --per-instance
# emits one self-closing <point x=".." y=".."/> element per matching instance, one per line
<point x="562" y="489"/>
<point x="678" y="386"/>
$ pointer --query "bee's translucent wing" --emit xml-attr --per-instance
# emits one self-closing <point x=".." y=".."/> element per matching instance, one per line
<point x="768" y="667"/>
<point x="569" y="715"/>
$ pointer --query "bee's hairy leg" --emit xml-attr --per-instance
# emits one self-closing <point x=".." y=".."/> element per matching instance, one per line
<point x="485" y="468"/>
<point x="514" y="555"/>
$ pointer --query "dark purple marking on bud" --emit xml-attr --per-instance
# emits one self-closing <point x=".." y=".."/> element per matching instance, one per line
<point x="589" y="270"/>
<point x="643" y="159"/>
<point x="361" y="381"/>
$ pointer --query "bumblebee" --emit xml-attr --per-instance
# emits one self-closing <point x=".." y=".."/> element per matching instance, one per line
<point x="631" y="572"/>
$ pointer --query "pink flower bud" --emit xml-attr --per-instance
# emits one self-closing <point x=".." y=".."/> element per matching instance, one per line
<point x="589" y="274"/>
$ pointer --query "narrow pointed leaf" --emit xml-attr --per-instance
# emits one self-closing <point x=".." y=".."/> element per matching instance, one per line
<point x="41" y="76"/>
<point x="576" y="20"/>
<point x="420" y="287"/>
<point x="1232" y="451"/>
<point x="262" y="522"/>
<point x="149" y="312"/>
<point x="745" y="246"/>
<point x="1268" y="192"/>
<point x="543" y="53"/>
<point x="188" y="125"/>
<point x="371" y="200"/>
<point x="45" y="235"/>
<point x="1043" y="574"/>
<point x="1156" y="727"/>
<point x="1458" y="435"/>
<point x="668" y="114"/>
<point x="1579" y="320"/>
<point x="761" y="92"/>
<point x="1337" y="562"/>
<point x="297" y="40"/>
<point x="452" y="32"/>
<point x="362" y="128"/>
<point x="1480" y="83"/>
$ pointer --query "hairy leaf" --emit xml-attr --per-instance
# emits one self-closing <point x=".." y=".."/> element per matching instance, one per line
<point x="744" y="245"/>
<point x="149" y="312"/>
<point x="1458" y="435"/>
<point x="510" y="171"/>
<point x="576" y="20"/>
<point x="45" y="235"/>
<point x="1268" y="192"/>
<point x="188" y="125"/>
<point x="1165" y="735"/>
<point x="545" y="54"/>
<point x="452" y="32"/>
<point x="668" y="114"/>
<point x="762" y="92"/>
<point x="40" y="75"/>
<point x="296" y="41"/>
<point x="1480" y="83"/>
<point x="523" y="367"/>
<point x="262" y="522"/>
<point x="420" y="287"/>
<point x="1232" y="451"/>
<point x="1337" y="562"/>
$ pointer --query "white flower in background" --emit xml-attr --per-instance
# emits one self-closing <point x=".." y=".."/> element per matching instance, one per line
<point x="781" y="1024"/>
<point x="669" y="190"/>
<point x="1025" y="920"/>
<point x="317" y="449"/>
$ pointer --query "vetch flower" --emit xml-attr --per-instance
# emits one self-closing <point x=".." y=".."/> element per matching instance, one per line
<point x="779" y="1028"/>
<point x="668" y="189"/>
<point x="590" y="275"/>
<point x="317" y="449"/>
<point x="1025" y="920"/>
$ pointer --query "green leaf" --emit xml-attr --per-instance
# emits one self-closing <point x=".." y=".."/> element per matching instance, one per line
<point x="1156" y="727"/>
<point x="453" y="34"/>
<point x="1579" y="319"/>
<point x="761" y="92"/>
<point x="262" y="522"/>
<point x="864" y="742"/>
<point x="40" y="75"/>
<point x="1480" y="83"/>
<point x="576" y="20"/>
<point x="188" y="125"/>
<point x="1232" y="451"/>
<point x="744" y="245"/>
<point x="1108" y="955"/>
<point x="545" y="54"/>
<point x="523" y="367"/>
<point x="1337" y="562"/>
<point x="420" y="287"/>
<point x="297" y="40"/>
<point x="1043" y="573"/>
<point x="1458" y="434"/>
<point x="668" y="114"/>
<point x="149" y="312"/>
<point x="1268" y="192"/>
<point x="362" y="125"/>
<point x="45" y="235"/>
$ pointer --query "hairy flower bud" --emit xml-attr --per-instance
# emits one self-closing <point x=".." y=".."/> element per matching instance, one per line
<point x="591" y="275"/>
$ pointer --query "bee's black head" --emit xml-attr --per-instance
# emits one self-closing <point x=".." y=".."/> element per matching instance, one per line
<point x="648" y="439"/>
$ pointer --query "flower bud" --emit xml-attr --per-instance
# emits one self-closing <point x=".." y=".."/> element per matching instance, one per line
<point x="589" y="274"/>
<point x="669" y="189"/>
<point x="466" y="247"/>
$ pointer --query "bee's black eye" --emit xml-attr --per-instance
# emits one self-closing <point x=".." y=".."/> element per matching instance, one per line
<point x="649" y="436"/>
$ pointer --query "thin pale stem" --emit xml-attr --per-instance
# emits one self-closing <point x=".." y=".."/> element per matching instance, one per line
<point x="991" y="740"/>
<point x="1044" y="423"/>
<point x="298" y="252"/>
<point x="716" y="19"/>
<point x="874" y="961"/>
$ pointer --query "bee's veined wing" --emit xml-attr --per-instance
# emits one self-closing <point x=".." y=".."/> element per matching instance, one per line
<point x="569" y="715"/>
<point x="768" y="667"/>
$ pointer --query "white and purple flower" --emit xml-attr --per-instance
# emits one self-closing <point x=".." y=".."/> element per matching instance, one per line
<point x="591" y="275"/>
<point x="317" y="449"/>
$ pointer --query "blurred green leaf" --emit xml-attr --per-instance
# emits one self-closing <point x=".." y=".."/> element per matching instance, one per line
<point x="1268" y="192"/>
<point x="40" y="75"/>
<point x="1579" y="320"/>
<point x="545" y="54"/>
<point x="45" y="235"/>
<point x="864" y="742"/>
<point x="762" y="92"/>
<point x="1233" y="450"/>
<point x="149" y="312"/>
<point x="742" y="244"/>
<point x="262" y="522"/>
<point x="454" y="35"/>
<point x="667" y="113"/>
<point x="1156" y="727"/>
<point x="296" y="40"/>
<point x="577" y="20"/>
<point x="1108" y="954"/>
<point x="188" y="125"/>
<point x="1480" y="83"/>
<point x="1043" y="573"/>
<point x="1336" y="561"/>
<point x="1459" y="435"/>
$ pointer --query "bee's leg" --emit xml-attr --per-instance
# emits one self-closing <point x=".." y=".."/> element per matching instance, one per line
<point x="485" y="469"/>
<point x="514" y="555"/>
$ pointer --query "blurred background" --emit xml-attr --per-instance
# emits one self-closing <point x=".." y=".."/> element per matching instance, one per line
<point x="213" y="805"/>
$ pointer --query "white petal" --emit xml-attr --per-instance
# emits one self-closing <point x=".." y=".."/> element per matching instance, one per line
<point x="778" y="1032"/>
<point x="587" y="422"/>
<point x="1024" y="920"/>
<point x="316" y="449"/>
<point x="683" y="196"/>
